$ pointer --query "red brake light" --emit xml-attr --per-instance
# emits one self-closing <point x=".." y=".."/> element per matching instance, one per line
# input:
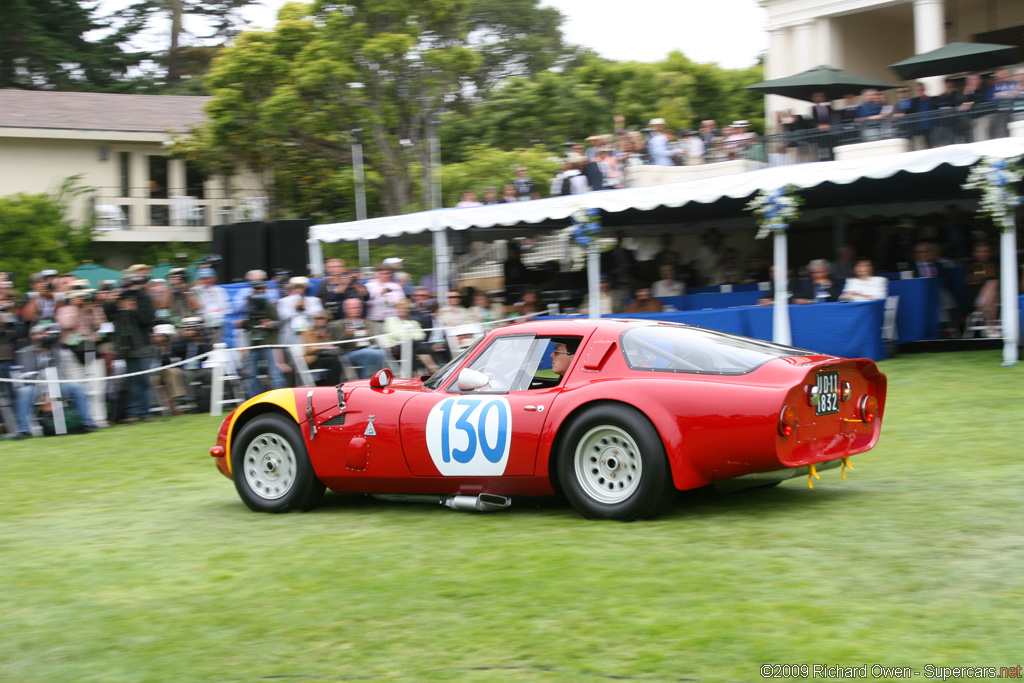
<point x="787" y="421"/>
<point x="868" y="408"/>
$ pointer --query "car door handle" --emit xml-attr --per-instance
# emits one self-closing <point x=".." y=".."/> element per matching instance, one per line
<point x="539" y="409"/>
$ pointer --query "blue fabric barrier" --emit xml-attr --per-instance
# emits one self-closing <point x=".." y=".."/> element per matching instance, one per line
<point x="697" y="302"/>
<point x="918" y="314"/>
<point x="851" y="330"/>
<point x="1020" y="319"/>
<point x="717" y="289"/>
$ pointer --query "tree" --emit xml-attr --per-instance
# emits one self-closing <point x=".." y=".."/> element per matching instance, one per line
<point x="37" y="234"/>
<point x="183" y="61"/>
<point x="547" y="110"/>
<point x="489" y="167"/>
<point x="581" y="98"/>
<point x="290" y="99"/>
<point x="44" y="45"/>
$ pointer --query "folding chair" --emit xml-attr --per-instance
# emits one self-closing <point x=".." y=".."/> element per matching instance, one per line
<point x="890" y="334"/>
<point x="110" y="217"/>
<point x="186" y="211"/>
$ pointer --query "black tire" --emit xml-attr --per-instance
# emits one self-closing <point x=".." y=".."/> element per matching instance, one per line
<point x="611" y="464"/>
<point x="271" y="467"/>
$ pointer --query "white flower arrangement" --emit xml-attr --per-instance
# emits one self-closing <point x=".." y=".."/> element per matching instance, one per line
<point x="586" y="225"/>
<point x="995" y="178"/>
<point x="776" y="209"/>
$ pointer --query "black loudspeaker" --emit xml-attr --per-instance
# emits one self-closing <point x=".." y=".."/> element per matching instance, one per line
<point x="248" y="248"/>
<point x="286" y="246"/>
<point x="221" y="245"/>
<point x="264" y="245"/>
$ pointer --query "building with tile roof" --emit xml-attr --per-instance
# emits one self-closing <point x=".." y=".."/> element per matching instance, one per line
<point x="117" y="143"/>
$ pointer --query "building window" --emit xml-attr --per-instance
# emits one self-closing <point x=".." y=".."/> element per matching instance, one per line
<point x="157" y="178"/>
<point x="124" y="168"/>
<point x="195" y="181"/>
<point x="159" y="214"/>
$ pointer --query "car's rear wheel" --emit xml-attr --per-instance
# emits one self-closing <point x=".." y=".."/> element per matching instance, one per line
<point x="271" y="468"/>
<point x="611" y="464"/>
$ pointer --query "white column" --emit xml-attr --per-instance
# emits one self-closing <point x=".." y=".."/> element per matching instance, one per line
<point x="805" y="56"/>
<point x="1008" y="283"/>
<point x="830" y="48"/>
<point x="176" y="177"/>
<point x="929" y="34"/>
<point x="138" y="179"/>
<point x="776" y="66"/>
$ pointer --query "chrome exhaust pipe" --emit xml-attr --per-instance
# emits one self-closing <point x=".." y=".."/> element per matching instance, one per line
<point x="485" y="502"/>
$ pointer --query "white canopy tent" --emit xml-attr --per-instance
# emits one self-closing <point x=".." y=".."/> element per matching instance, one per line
<point x="705" y="191"/>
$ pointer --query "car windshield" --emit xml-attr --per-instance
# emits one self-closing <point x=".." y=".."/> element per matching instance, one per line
<point x="510" y="363"/>
<point x="445" y="371"/>
<point x="677" y="348"/>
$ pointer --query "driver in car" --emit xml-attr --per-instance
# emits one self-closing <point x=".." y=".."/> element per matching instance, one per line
<point x="491" y="376"/>
<point x="561" y="356"/>
<point x="561" y="359"/>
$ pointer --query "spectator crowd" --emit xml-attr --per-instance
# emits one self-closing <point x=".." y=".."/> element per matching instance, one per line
<point x="973" y="108"/>
<point x="153" y="338"/>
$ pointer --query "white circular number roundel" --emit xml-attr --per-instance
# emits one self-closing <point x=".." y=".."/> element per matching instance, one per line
<point x="470" y="437"/>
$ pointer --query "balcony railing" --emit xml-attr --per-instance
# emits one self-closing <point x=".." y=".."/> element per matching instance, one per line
<point x="173" y="210"/>
<point x="935" y="128"/>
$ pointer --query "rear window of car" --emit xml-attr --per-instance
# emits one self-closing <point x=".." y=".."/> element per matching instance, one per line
<point x="677" y="348"/>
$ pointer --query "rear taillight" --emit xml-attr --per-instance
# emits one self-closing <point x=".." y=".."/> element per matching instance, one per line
<point x="868" y="408"/>
<point x="787" y="421"/>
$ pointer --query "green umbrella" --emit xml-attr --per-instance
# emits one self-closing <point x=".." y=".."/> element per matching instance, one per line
<point x="835" y="83"/>
<point x="95" y="273"/>
<point x="955" y="58"/>
<point x="160" y="270"/>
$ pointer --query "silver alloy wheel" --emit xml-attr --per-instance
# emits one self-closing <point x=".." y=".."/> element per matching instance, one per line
<point x="270" y="466"/>
<point x="608" y="464"/>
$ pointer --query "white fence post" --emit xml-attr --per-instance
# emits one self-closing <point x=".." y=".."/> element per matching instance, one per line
<point x="217" y="381"/>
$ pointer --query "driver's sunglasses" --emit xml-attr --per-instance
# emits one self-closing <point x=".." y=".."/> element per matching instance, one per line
<point x="562" y="353"/>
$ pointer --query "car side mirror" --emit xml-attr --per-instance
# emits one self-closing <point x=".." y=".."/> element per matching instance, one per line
<point x="381" y="379"/>
<point x="470" y="380"/>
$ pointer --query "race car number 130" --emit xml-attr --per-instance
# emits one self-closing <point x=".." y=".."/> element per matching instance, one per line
<point x="470" y="437"/>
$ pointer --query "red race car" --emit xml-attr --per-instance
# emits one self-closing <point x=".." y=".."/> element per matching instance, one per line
<point x="616" y="415"/>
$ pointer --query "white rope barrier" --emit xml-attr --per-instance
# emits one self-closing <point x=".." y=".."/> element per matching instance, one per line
<point x="193" y="359"/>
<point x="219" y="359"/>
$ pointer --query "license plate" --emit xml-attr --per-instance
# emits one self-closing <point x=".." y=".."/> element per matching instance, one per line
<point x="828" y="393"/>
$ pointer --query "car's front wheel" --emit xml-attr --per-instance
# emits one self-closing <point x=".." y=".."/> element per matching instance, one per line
<point x="612" y="465"/>
<point x="271" y="468"/>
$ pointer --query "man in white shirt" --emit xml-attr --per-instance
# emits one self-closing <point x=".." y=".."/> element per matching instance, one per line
<point x="657" y="146"/>
<point x="668" y="285"/>
<point x="296" y="310"/>
<point x="384" y="294"/>
<point x="214" y="302"/>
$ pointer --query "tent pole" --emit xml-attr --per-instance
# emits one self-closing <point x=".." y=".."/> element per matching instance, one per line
<point x="781" y="331"/>
<point x="1008" y="282"/>
<point x="441" y="264"/>
<point x="316" y="256"/>
<point x="593" y="281"/>
<point x="360" y="183"/>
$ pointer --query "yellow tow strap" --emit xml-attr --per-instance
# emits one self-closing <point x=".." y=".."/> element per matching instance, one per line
<point x="812" y="473"/>
<point x="846" y="465"/>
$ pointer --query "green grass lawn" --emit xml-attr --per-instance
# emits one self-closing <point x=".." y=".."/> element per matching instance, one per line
<point x="124" y="556"/>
